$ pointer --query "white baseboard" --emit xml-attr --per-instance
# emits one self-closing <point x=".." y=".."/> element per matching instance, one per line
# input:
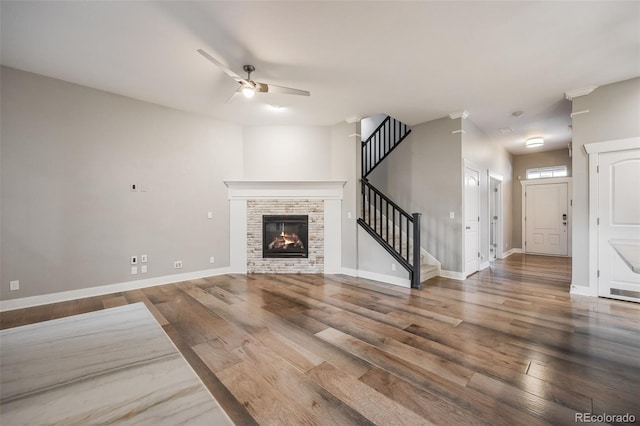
<point x="510" y="252"/>
<point x="484" y="265"/>
<point x="27" y="302"/>
<point x="581" y="290"/>
<point x="389" y="279"/>
<point x="350" y="272"/>
<point x="453" y="275"/>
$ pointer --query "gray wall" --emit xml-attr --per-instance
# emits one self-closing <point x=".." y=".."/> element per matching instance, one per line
<point x="287" y="152"/>
<point x="558" y="157"/>
<point x="424" y="174"/>
<point x="344" y="145"/>
<point x="614" y="113"/>
<point x="478" y="148"/>
<point x="69" y="154"/>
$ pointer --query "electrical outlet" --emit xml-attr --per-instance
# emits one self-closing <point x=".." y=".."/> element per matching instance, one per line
<point x="452" y="215"/>
<point x="134" y="260"/>
<point x="144" y="187"/>
<point x="143" y="269"/>
<point x="177" y="264"/>
<point x="134" y="270"/>
<point x="393" y="266"/>
<point x="209" y="215"/>
<point x="133" y="187"/>
<point x="143" y="258"/>
<point x="212" y="259"/>
<point x="348" y="215"/>
<point x="14" y="285"/>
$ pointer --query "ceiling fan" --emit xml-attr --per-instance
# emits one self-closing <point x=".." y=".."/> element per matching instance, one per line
<point x="249" y="87"/>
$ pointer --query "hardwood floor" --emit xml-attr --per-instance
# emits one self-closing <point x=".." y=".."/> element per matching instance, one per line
<point x="507" y="346"/>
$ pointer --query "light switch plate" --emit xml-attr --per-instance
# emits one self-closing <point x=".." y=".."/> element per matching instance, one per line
<point x="143" y="269"/>
<point x="14" y="285"/>
<point x="134" y="270"/>
<point x="143" y="258"/>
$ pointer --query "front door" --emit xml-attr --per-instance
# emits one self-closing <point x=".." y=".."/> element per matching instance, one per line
<point x="471" y="220"/>
<point x="619" y="228"/>
<point x="546" y="219"/>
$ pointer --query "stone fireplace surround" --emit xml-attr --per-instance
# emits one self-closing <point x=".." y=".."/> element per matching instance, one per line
<point x="321" y="200"/>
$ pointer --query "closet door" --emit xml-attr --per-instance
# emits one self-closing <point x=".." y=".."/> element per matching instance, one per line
<point x="619" y="225"/>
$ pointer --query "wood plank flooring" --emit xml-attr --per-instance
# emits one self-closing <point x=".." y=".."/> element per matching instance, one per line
<point x="507" y="346"/>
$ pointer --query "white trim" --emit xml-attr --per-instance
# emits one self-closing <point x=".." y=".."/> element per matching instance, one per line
<point x="500" y="223"/>
<point x="332" y="228"/>
<point x="593" y="223"/>
<point x="614" y="145"/>
<point x="63" y="296"/>
<point x="389" y="279"/>
<point x="511" y="251"/>
<point x="581" y="290"/>
<point x="453" y="132"/>
<point x="484" y="265"/>
<point x="238" y="236"/>
<point x="571" y="94"/>
<point x="349" y="271"/>
<point x="453" y="275"/>
<point x="462" y="114"/>
<point x="306" y="189"/>
<point x="584" y="111"/>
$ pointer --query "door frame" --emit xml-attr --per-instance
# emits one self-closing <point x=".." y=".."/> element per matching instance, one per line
<point x="593" y="150"/>
<point x="545" y="181"/>
<point x="499" y="239"/>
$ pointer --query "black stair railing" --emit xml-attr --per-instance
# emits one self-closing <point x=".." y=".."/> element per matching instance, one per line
<point x="392" y="227"/>
<point x="383" y="219"/>
<point x="384" y="139"/>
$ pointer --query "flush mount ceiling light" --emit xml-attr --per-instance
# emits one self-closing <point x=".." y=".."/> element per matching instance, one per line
<point x="534" y="142"/>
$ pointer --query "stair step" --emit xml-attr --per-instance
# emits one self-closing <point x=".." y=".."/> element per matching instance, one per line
<point x="427" y="272"/>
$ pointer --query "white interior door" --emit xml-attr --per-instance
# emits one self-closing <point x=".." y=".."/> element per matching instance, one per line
<point x="471" y="220"/>
<point x="546" y="219"/>
<point x="619" y="228"/>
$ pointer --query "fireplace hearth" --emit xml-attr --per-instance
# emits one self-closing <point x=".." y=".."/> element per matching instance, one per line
<point x="285" y="236"/>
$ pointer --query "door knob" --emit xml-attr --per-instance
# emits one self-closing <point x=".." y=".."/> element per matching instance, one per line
<point x="468" y="227"/>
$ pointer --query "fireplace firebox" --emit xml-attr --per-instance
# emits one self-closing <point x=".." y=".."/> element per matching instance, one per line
<point x="285" y="236"/>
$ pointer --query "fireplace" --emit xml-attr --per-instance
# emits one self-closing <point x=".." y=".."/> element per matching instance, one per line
<point x="285" y="236"/>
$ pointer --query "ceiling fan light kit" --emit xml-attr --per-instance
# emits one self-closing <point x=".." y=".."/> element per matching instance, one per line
<point x="248" y="91"/>
<point x="534" y="142"/>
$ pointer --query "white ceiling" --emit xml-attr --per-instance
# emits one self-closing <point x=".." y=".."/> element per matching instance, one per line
<point x="416" y="61"/>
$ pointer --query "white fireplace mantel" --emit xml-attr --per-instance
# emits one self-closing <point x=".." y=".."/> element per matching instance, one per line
<point x="331" y="191"/>
<point x="284" y="189"/>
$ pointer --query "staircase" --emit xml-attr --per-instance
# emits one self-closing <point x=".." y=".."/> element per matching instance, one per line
<point x="391" y="226"/>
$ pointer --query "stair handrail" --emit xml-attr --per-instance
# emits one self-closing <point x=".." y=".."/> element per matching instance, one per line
<point x="410" y="263"/>
<point x="371" y="158"/>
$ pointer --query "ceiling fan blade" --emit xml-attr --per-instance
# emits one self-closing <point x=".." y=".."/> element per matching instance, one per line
<point x="272" y="88"/>
<point x="234" y="96"/>
<point x="222" y="66"/>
